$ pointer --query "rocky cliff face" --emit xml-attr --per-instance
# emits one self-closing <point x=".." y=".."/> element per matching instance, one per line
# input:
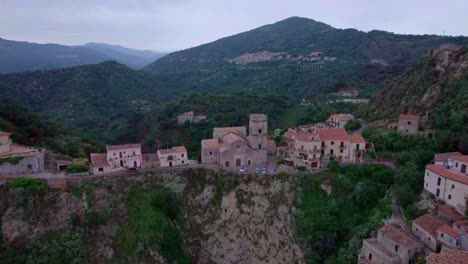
<point x="225" y="219"/>
<point x="431" y="88"/>
<point x="250" y="223"/>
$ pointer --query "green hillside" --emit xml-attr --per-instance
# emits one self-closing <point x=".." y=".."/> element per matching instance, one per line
<point x="96" y="99"/>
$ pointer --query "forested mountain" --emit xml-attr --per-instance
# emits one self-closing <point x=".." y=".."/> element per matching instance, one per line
<point x="97" y="99"/>
<point x="299" y="57"/>
<point x="18" y="56"/>
<point x="300" y="36"/>
<point x="130" y="57"/>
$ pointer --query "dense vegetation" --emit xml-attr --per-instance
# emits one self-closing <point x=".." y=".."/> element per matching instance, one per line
<point x="29" y="129"/>
<point x="151" y="226"/>
<point x="436" y="88"/>
<point x="331" y="226"/>
<point x="411" y="155"/>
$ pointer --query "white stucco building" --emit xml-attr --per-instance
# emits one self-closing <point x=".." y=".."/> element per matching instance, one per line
<point x="175" y="156"/>
<point x="449" y="183"/>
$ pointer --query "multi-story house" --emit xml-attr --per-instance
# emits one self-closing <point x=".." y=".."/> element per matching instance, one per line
<point x="449" y="182"/>
<point x="175" y="156"/>
<point x="425" y="228"/>
<point x="124" y="156"/>
<point x="232" y="148"/>
<point x="391" y="246"/>
<point x="321" y="145"/>
<point x="118" y="157"/>
<point x="408" y="124"/>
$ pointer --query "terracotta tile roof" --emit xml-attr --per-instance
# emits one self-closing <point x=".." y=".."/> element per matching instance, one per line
<point x="179" y="149"/>
<point x="241" y="130"/>
<point x="409" y="117"/>
<point x="123" y="147"/>
<point x="446" y="229"/>
<point x="443" y="157"/>
<point x="396" y="235"/>
<point x="210" y="143"/>
<point x="3" y="134"/>
<point x="333" y="134"/>
<point x="448" y="256"/>
<point x="342" y="117"/>
<point x="356" y="138"/>
<point x="189" y="113"/>
<point x="448" y="174"/>
<point x="461" y="158"/>
<point x="222" y="147"/>
<point x="304" y="137"/>
<point x="449" y="212"/>
<point x="230" y="138"/>
<point x="99" y="159"/>
<point x="271" y="144"/>
<point x="429" y="223"/>
<point x="462" y="225"/>
<point x="19" y="151"/>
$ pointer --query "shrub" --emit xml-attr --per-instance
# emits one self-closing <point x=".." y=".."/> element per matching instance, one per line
<point x="29" y="184"/>
<point x="73" y="168"/>
<point x="352" y="125"/>
<point x="12" y="160"/>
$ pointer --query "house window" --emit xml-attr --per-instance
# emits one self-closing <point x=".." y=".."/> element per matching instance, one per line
<point x="333" y="143"/>
<point x="331" y="151"/>
<point x="437" y="192"/>
<point x="211" y="153"/>
<point x="259" y="146"/>
<point x="396" y="248"/>
<point x="456" y="164"/>
<point x="249" y="162"/>
<point x="438" y="181"/>
<point x="370" y="256"/>
<point x="409" y="122"/>
<point x="101" y="169"/>
<point x="450" y="197"/>
<point x="453" y="186"/>
<point x="341" y="151"/>
<point x="182" y="155"/>
<point x="227" y="163"/>
<point x="182" y="162"/>
<point x="259" y="131"/>
<point x="442" y="235"/>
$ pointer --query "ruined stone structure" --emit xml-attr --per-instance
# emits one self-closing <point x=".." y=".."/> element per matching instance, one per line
<point x="18" y="159"/>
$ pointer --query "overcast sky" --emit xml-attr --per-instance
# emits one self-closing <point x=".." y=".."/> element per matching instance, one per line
<point x="169" y="25"/>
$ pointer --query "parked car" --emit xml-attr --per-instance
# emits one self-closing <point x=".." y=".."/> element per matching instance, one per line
<point x="264" y="170"/>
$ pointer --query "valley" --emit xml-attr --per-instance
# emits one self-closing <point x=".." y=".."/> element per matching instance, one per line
<point x="294" y="142"/>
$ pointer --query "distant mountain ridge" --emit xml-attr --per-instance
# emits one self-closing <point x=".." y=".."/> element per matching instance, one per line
<point x="300" y="36"/>
<point x="19" y="56"/>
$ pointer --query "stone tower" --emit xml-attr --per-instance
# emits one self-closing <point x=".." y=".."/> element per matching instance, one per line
<point x="258" y="129"/>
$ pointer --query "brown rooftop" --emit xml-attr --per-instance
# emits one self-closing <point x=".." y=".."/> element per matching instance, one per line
<point x="429" y="223"/>
<point x="123" y="147"/>
<point x="448" y="212"/>
<point x="446" y="229"/>
<point x="4" y="134"/>
<point x="210" y="143"/>
<point x="448" y="256"/>
<point x="99" y="159"/>
<point x="461" y="158"/>
<point x="409" y="117"/>
<point x="443" y="157"/>
<point x="333" y="134"/>
<point x="396" y="235"/>
<point x="448" y="174"/>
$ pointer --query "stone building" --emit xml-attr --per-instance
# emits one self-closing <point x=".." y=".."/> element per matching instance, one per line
<point x="190" y="117"/>
<point x="425" y="228"/>
<point x="408" y="124"/>
<point x="232" y="148"/>
<point x="18" y="159"/>
<point x="448" y="256"/>
<point x="175" y="156"/>
<point x="391" y="246"/>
